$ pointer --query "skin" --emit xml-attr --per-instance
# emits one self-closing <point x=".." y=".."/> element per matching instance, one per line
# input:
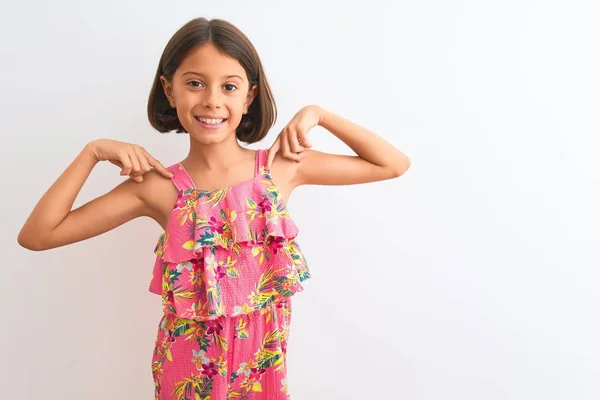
<point x="215" y="159"/>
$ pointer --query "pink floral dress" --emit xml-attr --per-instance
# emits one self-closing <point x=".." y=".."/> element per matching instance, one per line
<point x="226" y="268"/>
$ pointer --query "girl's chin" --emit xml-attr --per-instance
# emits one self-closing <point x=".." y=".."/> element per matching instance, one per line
<point x="210" y="137"/>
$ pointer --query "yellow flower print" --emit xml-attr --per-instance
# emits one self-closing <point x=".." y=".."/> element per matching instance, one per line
<point x="244" y="309"/>
<point x="196" y="277"/>
<point x="229" y="265"/>
<point x="253" y="210"/>
<point x="240" y="329"/>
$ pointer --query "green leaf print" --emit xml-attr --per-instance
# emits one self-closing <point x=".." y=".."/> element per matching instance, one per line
<point x="206" y="239"/>
<point x="304" y="275"/>
<point x="204" y="342"/>
<point x="221" y="342"/>
<point x="233" y="272"/>
<point x="263" y="300"/>
<point x="182" y="329"/>
<point x="174" y="276"/>
<point x="270" y="354"/>
<point x="214" y="197"/>
<point x="273" y="193"/>
<point x="196" y="387"/>
<point x="281" y="288"/>
<point x="270" y="359"/>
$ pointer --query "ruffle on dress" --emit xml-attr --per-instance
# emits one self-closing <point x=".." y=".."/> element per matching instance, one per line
<point x="228" y="252"/>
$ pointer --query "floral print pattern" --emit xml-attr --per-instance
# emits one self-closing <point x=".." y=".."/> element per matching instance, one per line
<point x="226" y="268"/>
<point x="241" y="357"/>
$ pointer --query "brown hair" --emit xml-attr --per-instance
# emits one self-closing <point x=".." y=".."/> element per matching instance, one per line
<point x="262" y="113"/>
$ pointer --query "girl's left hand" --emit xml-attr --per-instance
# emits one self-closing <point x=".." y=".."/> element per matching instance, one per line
<point x="293" y="138"/>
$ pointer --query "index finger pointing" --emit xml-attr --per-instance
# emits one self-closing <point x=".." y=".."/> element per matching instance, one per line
<point x="159" y="167"/>
<point x="272" y="151"/>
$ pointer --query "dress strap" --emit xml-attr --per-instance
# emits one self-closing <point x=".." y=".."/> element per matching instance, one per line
<point x="181" y="179"/>
<point x="261" y="160"/>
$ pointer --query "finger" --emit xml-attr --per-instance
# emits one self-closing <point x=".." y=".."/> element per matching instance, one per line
<point x="135" y="164"/>
<point x="139" y="152"/>
<point x="137" y="178"/>
<point x="158" y="166"/>
<point x="285" y="144"/>
<point x="295" y="146"/>
<point x="273" y="151"/>
<point x="125" y="162"/>
<point x="303" y="140"/>
<point x="117" y="163"/>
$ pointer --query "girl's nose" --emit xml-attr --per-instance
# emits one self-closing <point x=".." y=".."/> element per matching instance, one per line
<point x="212" y="98"/>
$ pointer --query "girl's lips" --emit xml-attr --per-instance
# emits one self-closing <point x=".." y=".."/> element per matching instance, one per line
<point x="208" y="117"/>
<point x="211" y="126"/>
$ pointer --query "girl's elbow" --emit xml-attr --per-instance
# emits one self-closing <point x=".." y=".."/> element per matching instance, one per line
<point x="401" y="167"/>
<point x="30" y="242"/>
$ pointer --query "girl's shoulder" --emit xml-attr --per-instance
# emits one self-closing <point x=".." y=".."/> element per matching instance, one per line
<point x="159" y="194"/>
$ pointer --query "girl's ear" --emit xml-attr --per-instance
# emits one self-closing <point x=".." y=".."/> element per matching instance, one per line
<point x="168" y="89"/>
<point x="250" y="98"/>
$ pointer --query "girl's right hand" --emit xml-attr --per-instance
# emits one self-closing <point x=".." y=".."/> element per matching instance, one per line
<point x="133" y="159"/>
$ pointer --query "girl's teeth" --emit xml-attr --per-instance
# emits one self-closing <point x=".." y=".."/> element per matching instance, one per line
<point x="210" y="121"/>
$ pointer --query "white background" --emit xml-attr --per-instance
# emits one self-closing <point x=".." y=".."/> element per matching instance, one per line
<point x="473" y="276"/>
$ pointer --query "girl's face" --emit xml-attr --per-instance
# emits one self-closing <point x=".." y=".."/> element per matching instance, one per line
<point x="208" y="84"/>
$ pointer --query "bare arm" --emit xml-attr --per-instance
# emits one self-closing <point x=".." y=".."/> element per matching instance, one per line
<point x="52" y="223"/>
<point x="376" y="158"/>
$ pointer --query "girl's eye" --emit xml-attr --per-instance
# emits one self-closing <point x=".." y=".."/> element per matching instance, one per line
<point x="229" y="84"/>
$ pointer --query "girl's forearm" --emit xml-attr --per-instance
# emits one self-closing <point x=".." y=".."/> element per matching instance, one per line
<point x="58" y="200"/>
<point x="366" y="144"/>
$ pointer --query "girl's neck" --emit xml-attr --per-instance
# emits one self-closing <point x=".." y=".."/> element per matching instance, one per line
<point x="215" y="156"/>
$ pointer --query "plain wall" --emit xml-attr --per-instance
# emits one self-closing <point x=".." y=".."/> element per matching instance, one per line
<point x="473" y="276"/>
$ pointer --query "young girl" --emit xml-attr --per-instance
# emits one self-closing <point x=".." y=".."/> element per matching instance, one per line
<point x="228" y="261"/>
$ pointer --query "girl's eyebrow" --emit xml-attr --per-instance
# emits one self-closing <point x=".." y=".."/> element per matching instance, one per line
<point x="201" y="74"/>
